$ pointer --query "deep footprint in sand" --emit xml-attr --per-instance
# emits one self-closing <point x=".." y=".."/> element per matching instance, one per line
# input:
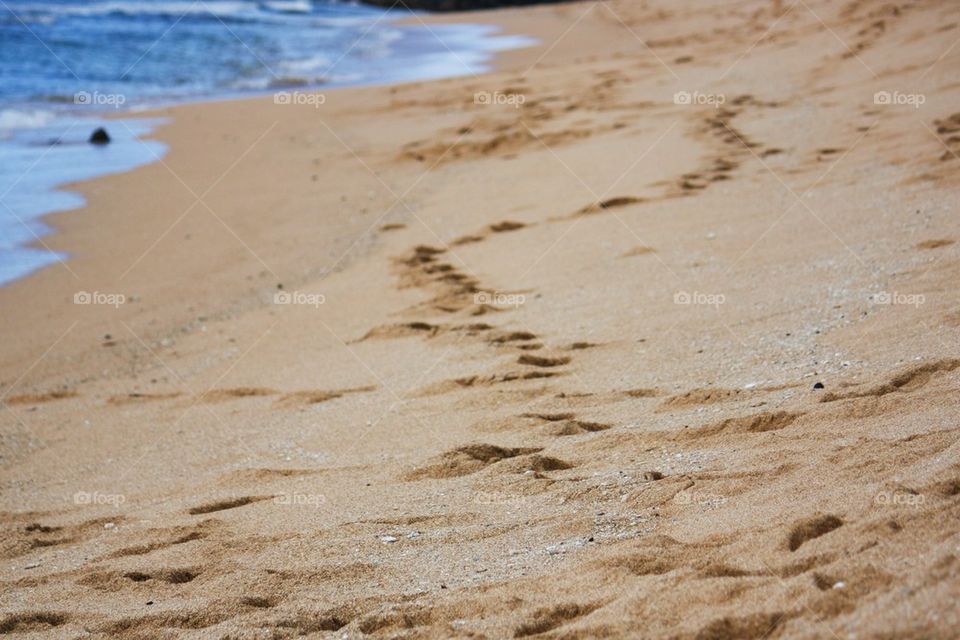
<point x="466" y="460"/>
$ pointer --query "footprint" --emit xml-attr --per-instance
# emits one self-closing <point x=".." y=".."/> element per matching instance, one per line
<point x="642" y="564"/>
<point x="638" y="251"/>
<point x="506" y="225"/>
<point x="910" y="379"/>
<point x="170" y="576"/>
<point x="39" y="398"/>
<point x="138" y="398"/>
<point x="466" y="460"/>
<point x="114" y="581"/>
<point x="155" y="625"/>
<point x="470" y="239"/>
<point x="758" y="423"/>
<point x="402" y="330"/>
<point x="749" y="627"/>
<point x="259" y="602"/>
<point x="549" y="618"/>
<point x="223" y="505"/>
<point x="549" y="417"/>
<point x="543" y="361"/>
<point x="32" y="622"/>
<point x="565" y="424"/>
<point x="811" y="528"/>
<point x="221" y="395"/>
<point x="696" y="398"/>
<point x="306" y="398"/>
<point x="575" y="427"/>
<point x="610" y="203"/>
<point x="16" y="541"/>
<point x="143" y="549"/>
<point x="538" y="464"/>
<point x="513" y="336"/>
<point x="448" y="386"/>
<point x="934" y="244"/>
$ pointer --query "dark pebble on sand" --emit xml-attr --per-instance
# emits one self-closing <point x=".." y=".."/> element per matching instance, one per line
<point x="99" y="136"/>
<point x="818" y="385"/>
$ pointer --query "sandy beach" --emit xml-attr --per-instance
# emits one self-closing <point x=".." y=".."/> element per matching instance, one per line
<point x="648" y="333"/>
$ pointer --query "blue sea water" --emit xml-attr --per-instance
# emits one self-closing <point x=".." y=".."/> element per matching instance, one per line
<point x="64" y="64"/>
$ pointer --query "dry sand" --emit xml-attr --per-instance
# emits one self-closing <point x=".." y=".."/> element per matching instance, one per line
<point x="561" y="382"/>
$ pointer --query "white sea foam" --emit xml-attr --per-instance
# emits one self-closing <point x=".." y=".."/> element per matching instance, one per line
<point x="220" y="8"/>
<point x="289" y="6"/>
<point x="13" y="120"/>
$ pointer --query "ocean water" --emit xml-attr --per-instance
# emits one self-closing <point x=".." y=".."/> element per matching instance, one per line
<point x="66" y="64"/>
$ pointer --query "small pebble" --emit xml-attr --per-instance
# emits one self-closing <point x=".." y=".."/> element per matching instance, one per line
<point x="388" y="539"/>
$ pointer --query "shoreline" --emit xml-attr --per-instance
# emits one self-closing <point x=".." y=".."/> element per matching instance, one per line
<point x="491" y="44"/>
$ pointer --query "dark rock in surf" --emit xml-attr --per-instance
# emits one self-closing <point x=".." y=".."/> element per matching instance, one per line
<point x="100" y="136"/>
